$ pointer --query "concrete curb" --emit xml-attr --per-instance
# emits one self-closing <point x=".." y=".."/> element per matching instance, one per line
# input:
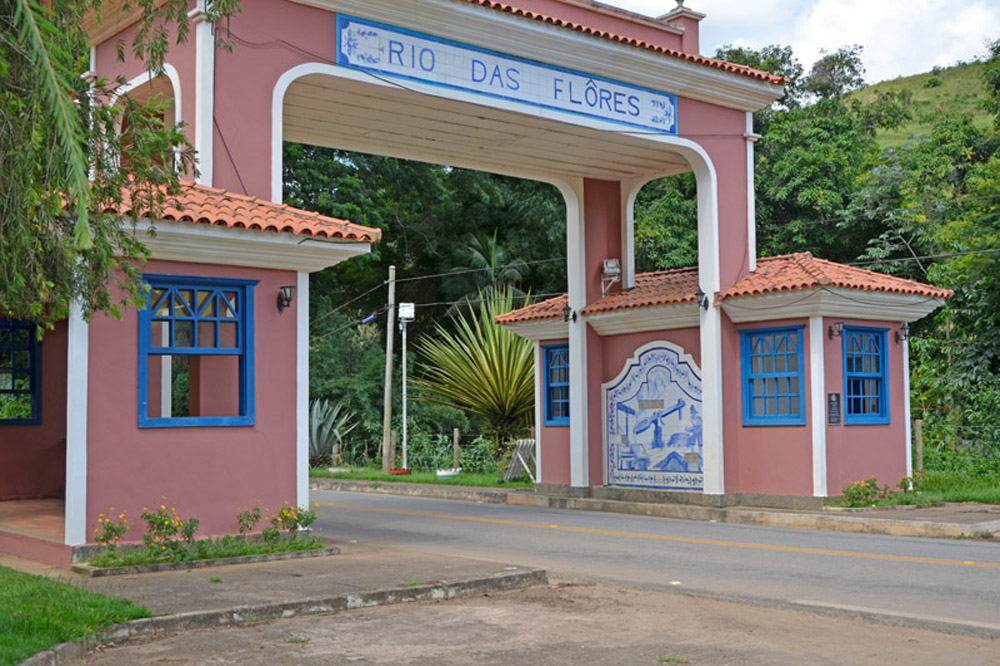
<point x="833" y="521"/>
<point x="247" y="615"/>
<point x="100" y="572"/>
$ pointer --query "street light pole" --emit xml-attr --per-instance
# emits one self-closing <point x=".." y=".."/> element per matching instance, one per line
<point x="406" y="315"/>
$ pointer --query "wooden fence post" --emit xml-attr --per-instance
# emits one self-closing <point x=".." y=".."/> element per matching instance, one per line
<point x="392" y="449"/>
<point x="455" y="447"/>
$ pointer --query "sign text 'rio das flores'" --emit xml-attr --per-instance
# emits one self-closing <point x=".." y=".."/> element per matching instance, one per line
<point x="386" y="50"/>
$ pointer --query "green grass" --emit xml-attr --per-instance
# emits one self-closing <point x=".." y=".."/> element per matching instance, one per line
<point x="206" y="549"/>
<point x="960" y="89"/>
<point x="37" y="613"/>
<point x="463" y="479"/>
<point x="941" y="486"/>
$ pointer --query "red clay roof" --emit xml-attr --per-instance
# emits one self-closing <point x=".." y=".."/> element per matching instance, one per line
<point x="803" y="271"/>
<point x="787" y="272"/>
<point x="548" y="309"/>
<point x="732" y="67"/>
<point x="651" y="289"/>
<point x="199" y="204"/>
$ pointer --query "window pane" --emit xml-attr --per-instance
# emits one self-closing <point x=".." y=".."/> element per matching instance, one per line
<point x="206" y="334"/>
<point x="22" y="360"/>
<point x="230" y="306"/>
<point x="206" y="303"/>
<point x="183" y="334"/>
<point x="768" y="364"/>
<point x="183" y="298"/>
<point x="6" y="381"/>
<point x="159" y="335"/>
<point x="160" y="304"/>
<point x="228" y="335"/>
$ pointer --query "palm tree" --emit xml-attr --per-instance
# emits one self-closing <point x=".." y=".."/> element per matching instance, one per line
<point x="479" y="367"/>
<point x="490" y="269"/>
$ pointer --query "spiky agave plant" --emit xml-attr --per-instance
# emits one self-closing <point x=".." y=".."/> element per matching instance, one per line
<point x="479" y="367"/>
<point x="328" y="426"/>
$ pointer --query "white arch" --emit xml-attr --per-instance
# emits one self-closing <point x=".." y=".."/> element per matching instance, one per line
<point x="572" y="191"/>
<point x="147" y="77"/>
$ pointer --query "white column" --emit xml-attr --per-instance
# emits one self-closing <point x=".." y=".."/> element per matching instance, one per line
<point x="166" y="375"/>
<point x="576" y="281"/>
<point x="629" y="190"/>
<point x="751" y="198"/>
<point x="539" y="397"/>
<point x="204" y="99"/>
<point x="77" y="360"/>
<point x="817" y="414"/>
<point x="302" y="389"/>
<point x="711" y="327"/>
<point x="908" y="436"/>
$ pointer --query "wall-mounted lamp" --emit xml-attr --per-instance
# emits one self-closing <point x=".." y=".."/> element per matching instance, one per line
<point x="903" y="333"/>
<point x="611" y="272"/>
<point x="285" y="297"/>
<point x="835" y="330"/>
<point x="701" y="298"/>
<point x="568" y="314"/>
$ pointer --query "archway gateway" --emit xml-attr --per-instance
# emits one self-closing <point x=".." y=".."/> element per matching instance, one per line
<point x="595" y="100"/>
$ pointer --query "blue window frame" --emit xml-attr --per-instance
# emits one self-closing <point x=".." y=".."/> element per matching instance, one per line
<point x="866" y="399"/>
<point x="20" y="373"/>
<point x="773" y="378"/>
<point x="555" y="361"/>
<point x="192" y="327"/>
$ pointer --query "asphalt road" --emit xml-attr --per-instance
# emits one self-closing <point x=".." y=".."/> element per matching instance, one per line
<point x="953" y="581"/>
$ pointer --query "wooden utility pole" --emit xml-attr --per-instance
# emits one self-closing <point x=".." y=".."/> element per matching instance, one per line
<point x="390" y="335"/>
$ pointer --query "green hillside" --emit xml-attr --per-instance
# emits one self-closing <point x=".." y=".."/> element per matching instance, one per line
<point x="956" y="88"/>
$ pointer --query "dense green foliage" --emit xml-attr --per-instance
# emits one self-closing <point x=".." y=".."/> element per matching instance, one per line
<point x="39" y="613"/>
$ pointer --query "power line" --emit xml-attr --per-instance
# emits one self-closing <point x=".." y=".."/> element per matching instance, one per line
<point x="344" y="305"/>
<point x="946" y="255"/>
<point x="477" y="270"/>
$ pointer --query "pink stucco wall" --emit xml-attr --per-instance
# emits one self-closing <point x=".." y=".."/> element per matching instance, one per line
<point x="720" y="132"/>
<point x="33" y="457"/>
<point x="775" y="460"/>
<point x="181" y="57"/>
<point x="207" y="472"/>
<point x="856" y="452"/>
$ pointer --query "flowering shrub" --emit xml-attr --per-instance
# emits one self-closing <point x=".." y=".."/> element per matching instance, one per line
<point x="290" y="519"/>
<point x="163" y="526"/>
<point x="109" y="531"/>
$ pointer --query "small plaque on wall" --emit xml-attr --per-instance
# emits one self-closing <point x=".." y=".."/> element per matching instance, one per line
<point x="833" y="409"/>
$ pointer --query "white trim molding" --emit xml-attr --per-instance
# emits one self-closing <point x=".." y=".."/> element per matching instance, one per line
<point x="201" y="243"/>
<point x="830" y="302"/>
<point x="302" y="389"/>
<point x="817" y="389"/>
<point x="77" y="386"/>
<point x="649" y="318"/>
<point x="540" y="329"/>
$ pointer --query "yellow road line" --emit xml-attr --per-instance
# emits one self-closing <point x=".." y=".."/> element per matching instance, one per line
<point x="676" y="539"/>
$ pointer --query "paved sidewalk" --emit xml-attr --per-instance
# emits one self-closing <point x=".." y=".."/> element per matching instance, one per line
<point x="949" y="521"/>
<point x="361" y="576"/>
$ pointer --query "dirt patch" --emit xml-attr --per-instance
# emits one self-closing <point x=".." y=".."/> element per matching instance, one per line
<point x="569" y="622"/>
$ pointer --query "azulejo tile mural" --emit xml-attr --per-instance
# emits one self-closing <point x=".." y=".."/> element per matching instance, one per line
<point x="653" y="420"/>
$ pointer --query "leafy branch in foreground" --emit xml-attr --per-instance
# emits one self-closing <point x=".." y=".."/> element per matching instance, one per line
<point x="68" y="151"/>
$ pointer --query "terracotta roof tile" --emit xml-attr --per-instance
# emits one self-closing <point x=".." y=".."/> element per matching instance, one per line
<point x="659" y="288"/>
<point x="199" y="204"/>
<point x="548" y="309"/>
<point x="803" y="271"/>
<point x="723" y="65"/>
<point x="774" y="274"/>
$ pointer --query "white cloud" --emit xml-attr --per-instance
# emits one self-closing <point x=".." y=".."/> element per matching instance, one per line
<point x="900" y="37"/>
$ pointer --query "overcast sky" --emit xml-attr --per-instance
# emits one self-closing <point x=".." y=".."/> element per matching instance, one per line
<point x="900" y="37"/>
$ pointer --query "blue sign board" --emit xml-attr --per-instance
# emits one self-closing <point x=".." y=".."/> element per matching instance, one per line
<point x="386" y="50"/>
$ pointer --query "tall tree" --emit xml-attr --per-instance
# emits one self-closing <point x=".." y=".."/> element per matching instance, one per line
<point x="63" y="160"/>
